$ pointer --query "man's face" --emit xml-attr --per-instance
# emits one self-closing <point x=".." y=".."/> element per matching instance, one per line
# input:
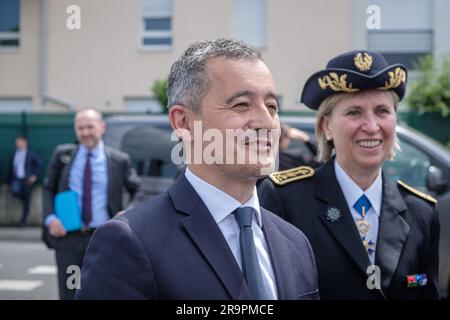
<point x="241" y="100"/>
<point x="89" y="128"/>
<point x="21" y="143"/>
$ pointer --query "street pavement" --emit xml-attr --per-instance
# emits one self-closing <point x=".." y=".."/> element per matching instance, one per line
<point x="27" y="267"/>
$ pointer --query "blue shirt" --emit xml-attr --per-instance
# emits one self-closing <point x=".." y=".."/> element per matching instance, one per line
<point x="19" y="163"/>
<point x="99" y="169"/>
<point x="352" y="192"/>
<point x="221" y="205"/>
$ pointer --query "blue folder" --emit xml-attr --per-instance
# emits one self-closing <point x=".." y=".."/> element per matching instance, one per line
<point x="68" y="210"/>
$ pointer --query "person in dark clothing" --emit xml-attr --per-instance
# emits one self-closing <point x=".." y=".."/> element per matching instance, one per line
<point x="23" y="171"/>
<point x="291" y="157"/>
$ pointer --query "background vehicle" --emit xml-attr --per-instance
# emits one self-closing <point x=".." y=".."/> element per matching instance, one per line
<point x="422" y="163"/>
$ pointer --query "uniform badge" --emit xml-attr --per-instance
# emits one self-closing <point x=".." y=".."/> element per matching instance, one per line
<point x="65" y="159"/>
<point x="417" y="192"/>
<point x="363" y="63"/>
<point x="333" y="214"/>
<point x="416" y="280"/>
<point x="287" y="176"/>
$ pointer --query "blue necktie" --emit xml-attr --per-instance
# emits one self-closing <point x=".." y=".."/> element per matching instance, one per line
<point x="250" y="264"/>
<point x="363" y="225"/>
<point x="363" y="201"/>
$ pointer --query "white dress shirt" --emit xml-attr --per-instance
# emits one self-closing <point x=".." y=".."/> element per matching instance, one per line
<point x="19" y="163"/>
<point x="352" y="192"/>
<point x="221" y="205"/>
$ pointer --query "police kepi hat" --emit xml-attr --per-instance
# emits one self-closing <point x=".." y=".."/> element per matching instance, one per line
<point x="353" y="72"/>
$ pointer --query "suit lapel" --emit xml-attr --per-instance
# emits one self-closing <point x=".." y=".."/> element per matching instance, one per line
<point x="111" y="176"/>
<point x="280" y="260"/>
<point x="392" y="232"/>
<point x="344" y="230"/>
<point x="206" y="235"/>
<point x="66" y="169"/>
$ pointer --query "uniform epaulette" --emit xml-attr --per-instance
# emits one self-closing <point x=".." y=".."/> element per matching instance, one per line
<point x="417" y="192"/>
<point x="286" y="176"/>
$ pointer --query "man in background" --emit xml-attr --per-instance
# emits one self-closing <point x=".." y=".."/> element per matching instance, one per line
<point x="23" y="171"/>
<point x="98" y="175"/>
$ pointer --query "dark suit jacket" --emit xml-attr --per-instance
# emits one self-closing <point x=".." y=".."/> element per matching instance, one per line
<point x="407" y="238"/>
<point x="33" y="166"/>
<point x="121" y="174"/>
<point x="170" y="247"/>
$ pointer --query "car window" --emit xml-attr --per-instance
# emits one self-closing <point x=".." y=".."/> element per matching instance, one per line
<point x="150" y="150"/>
<point x="410" y="166"/>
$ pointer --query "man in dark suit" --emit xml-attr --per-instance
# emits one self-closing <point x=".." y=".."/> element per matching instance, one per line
<point x="24" y="168"/>
<point x="98" y="175"/>
<point x="207" y="237"/>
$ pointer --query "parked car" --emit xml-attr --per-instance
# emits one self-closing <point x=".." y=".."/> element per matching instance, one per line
<point x="422" y="163"/>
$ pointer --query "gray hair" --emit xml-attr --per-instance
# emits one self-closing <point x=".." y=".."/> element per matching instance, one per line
<point x="326" y="148"/>
<point x="188" y="79"/>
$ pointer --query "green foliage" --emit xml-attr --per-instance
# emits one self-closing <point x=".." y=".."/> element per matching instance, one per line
<point x="431" y="91"/>
<point x="159" y="90"/>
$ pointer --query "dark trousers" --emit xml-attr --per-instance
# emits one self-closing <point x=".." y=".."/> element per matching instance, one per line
<point x="69" y="251"/>
<point x="23" y="191"/>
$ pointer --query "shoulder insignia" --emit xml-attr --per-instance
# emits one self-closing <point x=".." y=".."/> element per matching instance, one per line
<point x="286" y="176"/>
<point x="417" y="192"/>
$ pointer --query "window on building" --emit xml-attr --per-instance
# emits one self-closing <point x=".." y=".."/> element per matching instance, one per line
<point x="156" y="32"/>
<point x="249" y="22"/>
<point x="15" y="104"/>
<point x="9" y="23"/>
<point x="406" y="31"/>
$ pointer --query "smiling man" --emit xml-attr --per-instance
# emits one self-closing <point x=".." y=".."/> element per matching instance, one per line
<point x="207" y="237"/>
<point x="96" y="175"/>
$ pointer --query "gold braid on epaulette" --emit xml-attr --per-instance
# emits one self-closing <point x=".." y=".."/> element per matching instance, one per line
<point x="286" y="176"/>
<point x="417" y="192"/>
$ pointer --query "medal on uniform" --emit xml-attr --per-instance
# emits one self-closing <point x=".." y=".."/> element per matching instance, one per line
<point x="363" y="225"/>
<point x="368" y="244"/>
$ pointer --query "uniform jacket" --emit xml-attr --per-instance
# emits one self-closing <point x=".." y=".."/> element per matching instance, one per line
<point x="407" y="242"/>
<point x="170" y="247"/>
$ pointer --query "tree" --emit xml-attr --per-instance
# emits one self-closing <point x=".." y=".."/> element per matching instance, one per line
<point x="431" y="91"/>
<point x="159" y="90"/>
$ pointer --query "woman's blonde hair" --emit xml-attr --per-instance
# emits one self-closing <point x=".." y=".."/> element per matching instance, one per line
<point x="326" y="148"/>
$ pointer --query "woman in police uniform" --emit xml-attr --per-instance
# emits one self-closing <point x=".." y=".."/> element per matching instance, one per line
<point x="373" y="238"/>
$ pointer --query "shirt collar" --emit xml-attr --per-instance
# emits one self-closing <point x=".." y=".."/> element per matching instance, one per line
<point x="220" y="204"/>
<point x="352" y="191"/>
<point x="96" y="152"/>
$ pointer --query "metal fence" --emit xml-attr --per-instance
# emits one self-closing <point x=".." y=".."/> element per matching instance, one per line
<point x="46" y="130"/>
